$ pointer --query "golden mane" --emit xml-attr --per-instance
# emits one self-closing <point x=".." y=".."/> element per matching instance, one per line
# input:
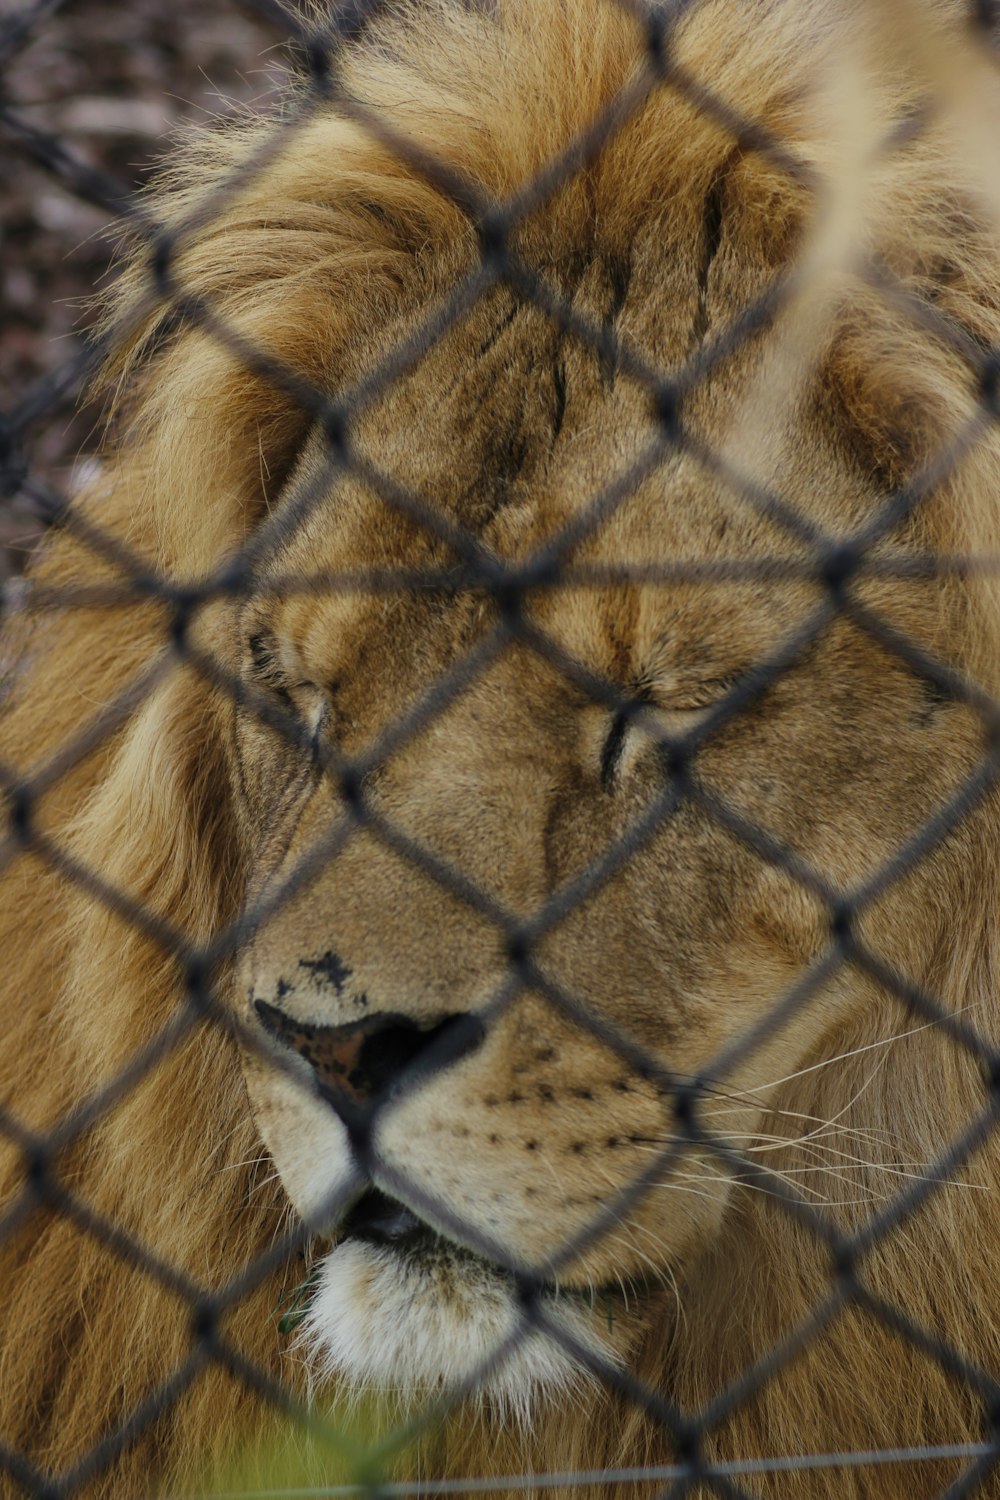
<point x="301" y="257"/>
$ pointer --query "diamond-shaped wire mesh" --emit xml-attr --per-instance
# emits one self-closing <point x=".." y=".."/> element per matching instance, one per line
<point x="501" y="875"/>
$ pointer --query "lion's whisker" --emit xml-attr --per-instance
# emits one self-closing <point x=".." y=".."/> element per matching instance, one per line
<point x="827" y="1062"/>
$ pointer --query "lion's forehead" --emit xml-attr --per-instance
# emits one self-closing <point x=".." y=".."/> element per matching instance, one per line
<point x="633" y="637"/>
<point x="602" y="603"/>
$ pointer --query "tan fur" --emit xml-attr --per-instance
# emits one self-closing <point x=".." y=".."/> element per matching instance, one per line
<point x="325" y="258"/>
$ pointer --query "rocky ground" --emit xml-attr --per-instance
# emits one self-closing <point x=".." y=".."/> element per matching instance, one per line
<point x="112" y="81"/>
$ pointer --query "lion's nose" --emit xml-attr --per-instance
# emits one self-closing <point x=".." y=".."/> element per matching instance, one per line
<point x="360" y="1061"/>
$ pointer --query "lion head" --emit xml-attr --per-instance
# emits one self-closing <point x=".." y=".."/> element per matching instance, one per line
<point x="554" y="871"/>
<point x="577" y="773"/>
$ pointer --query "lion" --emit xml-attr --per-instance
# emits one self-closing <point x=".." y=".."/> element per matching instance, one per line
<point x="502" y="780"/>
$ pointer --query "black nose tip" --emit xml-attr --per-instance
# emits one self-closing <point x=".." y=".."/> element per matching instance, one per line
<point x="364" y="1058"/>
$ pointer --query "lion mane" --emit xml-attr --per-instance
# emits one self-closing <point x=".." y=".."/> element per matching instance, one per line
<point x="133" y="1185"/>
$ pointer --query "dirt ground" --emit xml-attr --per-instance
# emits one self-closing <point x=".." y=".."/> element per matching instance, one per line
<point x="113" y="81"/>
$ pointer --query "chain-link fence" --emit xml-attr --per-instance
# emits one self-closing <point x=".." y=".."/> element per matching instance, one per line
<point x="501" y="877"/>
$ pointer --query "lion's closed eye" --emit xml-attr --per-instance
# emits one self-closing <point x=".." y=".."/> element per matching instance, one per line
<point x="653" y="718"/>
<point x="276" y="671"/>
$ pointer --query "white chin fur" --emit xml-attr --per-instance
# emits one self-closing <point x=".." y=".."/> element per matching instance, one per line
<point x="386" y="1321"/>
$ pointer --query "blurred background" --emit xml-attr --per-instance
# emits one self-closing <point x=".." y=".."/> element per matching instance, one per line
<point x="115" y="82"/>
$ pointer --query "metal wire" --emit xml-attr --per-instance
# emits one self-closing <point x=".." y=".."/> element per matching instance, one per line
<point x="838" y="567"/>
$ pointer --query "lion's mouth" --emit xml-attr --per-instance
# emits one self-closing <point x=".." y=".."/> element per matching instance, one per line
<point x="398" y="1307"/>
<point x="386" y="1224"/>
<point x="381" y="1220"/>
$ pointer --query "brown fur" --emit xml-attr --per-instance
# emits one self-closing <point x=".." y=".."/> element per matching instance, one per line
<point x="325" y="258"/>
